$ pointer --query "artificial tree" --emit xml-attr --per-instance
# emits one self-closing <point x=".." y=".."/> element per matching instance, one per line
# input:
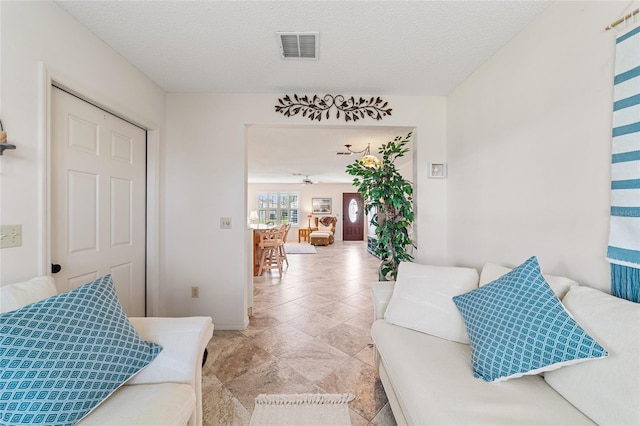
<point x="389" y="196"/>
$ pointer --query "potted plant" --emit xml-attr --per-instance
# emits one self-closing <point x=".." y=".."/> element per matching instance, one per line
<point x="389" y="196"/>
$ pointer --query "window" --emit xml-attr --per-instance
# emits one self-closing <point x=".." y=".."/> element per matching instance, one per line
<point x="278" y="208"/>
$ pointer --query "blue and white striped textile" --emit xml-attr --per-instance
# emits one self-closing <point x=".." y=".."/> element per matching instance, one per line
<point x="624" y="234"/>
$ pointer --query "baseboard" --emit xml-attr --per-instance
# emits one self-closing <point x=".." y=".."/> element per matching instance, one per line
<point x="231" y="325"/>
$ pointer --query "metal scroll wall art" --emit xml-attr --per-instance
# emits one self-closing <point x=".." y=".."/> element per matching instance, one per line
<point x="315" y="108"/>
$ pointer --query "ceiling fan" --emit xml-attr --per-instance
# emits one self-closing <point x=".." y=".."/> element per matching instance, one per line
<point x="305" y="179"/>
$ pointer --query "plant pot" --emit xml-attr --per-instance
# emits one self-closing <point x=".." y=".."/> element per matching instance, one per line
<point x="381" y="277"/>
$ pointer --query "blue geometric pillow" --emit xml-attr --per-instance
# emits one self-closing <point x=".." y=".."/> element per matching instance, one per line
<point x="517" y="327"/>
<point x="62" y="356"/>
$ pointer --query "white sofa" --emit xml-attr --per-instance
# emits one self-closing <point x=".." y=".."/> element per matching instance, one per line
<point x="429" y="380"/>
<point x="168" y="391"/>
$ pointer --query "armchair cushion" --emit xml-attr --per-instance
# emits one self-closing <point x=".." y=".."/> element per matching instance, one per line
<point x="15" y="296"/>
<point x="327" y="221"/>
<point x="183" y="341"/>
<point x="64" y="355"/>
<point x="145" y="405"/>
<point x="326" y="224"/>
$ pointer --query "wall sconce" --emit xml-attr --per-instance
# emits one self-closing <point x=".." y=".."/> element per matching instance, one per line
<point x="3" y="140"/>
<point x="438" y="170"/>
<point x="368" y="159"/>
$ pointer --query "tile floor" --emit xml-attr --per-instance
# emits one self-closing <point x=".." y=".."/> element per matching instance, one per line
<point x="310" y="333"/>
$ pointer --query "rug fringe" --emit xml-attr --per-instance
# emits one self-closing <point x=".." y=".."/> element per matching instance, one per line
<point x="304" y="398"/>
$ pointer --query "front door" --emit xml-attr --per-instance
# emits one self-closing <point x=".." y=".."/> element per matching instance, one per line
<point x="98" y="193"/>
<point x="352" y="217"/>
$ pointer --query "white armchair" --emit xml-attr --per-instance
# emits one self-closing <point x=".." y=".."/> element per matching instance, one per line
<point x="168" y="391"/>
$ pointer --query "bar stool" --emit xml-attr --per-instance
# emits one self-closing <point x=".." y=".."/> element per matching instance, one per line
<point x="284" y="229"/>
<point x="269" y="246"/>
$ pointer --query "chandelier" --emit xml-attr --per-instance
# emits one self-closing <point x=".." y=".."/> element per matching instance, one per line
<point x="368" y="159"/>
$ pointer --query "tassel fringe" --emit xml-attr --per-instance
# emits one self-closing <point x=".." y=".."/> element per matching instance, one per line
<point x="625" y="282"/>
<point x="304" y="398"/>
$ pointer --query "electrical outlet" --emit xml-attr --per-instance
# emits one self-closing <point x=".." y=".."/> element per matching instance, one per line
<point x="195" y="292"/>
<point x="10" y="236"/>
<point x="225" y="223"/>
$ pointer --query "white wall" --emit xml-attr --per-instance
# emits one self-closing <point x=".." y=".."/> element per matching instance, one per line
<point x="306" y="193"/>
<point x="529" y="137"/>
<point x="206" y="179"/>
<point x="41" y="31"/>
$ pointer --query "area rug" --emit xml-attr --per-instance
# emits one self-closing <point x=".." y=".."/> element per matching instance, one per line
<point x="297" y="248"/>
<point x="302" y="409"/>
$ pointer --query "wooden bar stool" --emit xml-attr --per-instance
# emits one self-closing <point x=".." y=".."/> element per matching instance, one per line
<point x="270" y="257"/>
<point x="283" y="237"/>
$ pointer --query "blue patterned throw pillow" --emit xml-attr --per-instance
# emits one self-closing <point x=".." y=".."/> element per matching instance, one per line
<point x="62" y="356"/>
<point x="517" y="327"/>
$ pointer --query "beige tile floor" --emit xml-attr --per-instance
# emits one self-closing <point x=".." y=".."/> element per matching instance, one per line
<point x="310" y="333"/>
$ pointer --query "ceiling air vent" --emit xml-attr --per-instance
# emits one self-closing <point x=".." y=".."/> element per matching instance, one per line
<point x="298" y="45"/>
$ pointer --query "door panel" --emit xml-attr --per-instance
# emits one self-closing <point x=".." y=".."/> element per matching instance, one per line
<point x="83" y="135"/>
<point x="82" y="212"/>
<point x="121" y="226"/>
<point x="352" y="217"/>
<point x="77" y="281"/>
<point x="98" y="199"/>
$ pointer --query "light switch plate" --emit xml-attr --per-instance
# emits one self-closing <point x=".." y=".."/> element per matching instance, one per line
<point x="225" y="223"/>
<point x="10" y="236"/>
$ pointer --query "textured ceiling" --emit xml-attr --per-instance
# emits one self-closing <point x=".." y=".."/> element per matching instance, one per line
<point x="366" y="47"/>
<point x="381" y="47"/>
<point x="288" y="154"/>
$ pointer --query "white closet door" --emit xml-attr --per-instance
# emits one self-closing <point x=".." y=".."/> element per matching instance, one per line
<point x="98" y="199"/>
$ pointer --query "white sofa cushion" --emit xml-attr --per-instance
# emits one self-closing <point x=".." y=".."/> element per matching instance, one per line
<point x="15" y="296"/>
<point x="325" y="228"/>
<point x="608" y="391"/>
<point x="145" y="405"/>
<point x="517" y="326"/>
<point x="560" y="285"/>
<point x="432" y="380"/>
<point x="421" y="299"/>
<point x="320" y="234"/>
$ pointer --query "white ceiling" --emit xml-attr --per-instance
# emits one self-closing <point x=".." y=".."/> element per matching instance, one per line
<point x="288" y="154"/>
<point x="366" y="47"/>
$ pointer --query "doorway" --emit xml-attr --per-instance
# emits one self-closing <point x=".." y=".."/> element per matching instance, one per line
<point x="98" y="189"/>
<point x="352" y="217"/>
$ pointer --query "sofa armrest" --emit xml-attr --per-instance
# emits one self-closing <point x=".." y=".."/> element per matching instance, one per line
<point x="381" y="293"/>
<point x="183" y="341"/>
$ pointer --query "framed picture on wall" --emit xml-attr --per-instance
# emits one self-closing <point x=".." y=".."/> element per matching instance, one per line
<point x="321" y="205"/>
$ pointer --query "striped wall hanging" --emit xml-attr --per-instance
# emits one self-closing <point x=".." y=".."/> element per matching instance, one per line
<point x="624" y="234"/>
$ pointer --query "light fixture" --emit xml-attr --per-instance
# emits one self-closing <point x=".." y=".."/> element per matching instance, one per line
<point x="253" y="217"/>
<point x="309" y="216"/>
<point x="368" y="159"/>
